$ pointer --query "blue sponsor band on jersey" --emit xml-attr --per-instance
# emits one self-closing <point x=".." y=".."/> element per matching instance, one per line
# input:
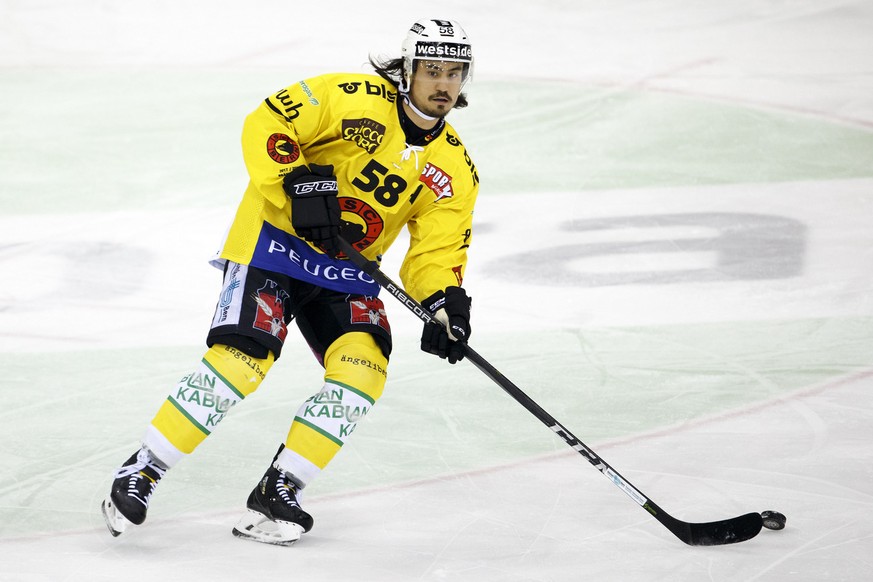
<point x="282" y="252"/>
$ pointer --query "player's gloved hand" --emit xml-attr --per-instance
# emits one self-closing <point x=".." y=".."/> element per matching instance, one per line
<point x="446" y="335"/>
<point x="315" y="212"/>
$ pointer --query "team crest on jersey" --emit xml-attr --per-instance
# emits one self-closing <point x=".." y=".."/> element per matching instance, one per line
<point x="282" y="149"/>
<point x="437" y="180"/>
<point x="270" y="314"/>
<point x="369" y="310"/>
<point x="363" y="225"/>
<point x="364" y="133"/>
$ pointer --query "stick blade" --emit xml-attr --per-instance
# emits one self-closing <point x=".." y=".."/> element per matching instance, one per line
<point x="718" y="533"/>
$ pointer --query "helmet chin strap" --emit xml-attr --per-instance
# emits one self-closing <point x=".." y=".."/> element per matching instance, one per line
<point x="417" y="111"/>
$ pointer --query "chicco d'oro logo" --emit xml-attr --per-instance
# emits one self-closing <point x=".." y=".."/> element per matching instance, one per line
<point x="364" y="133"/>
<point x="282" y="149"/>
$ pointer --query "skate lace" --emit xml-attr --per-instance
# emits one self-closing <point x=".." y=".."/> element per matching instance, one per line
<point x="287" y="491"/>
<point x="144" y="471"/>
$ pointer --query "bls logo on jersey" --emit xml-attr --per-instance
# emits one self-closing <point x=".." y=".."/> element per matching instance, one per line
<point x="270" y="314"/>
<point x="437" y="180"/>
<point x="369" y="310"/>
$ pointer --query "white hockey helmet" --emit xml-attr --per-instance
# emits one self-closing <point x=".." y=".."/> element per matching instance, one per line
<point x="435" y="40"/>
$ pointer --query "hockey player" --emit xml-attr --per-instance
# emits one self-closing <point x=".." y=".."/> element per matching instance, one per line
<point x="352" y="155"/>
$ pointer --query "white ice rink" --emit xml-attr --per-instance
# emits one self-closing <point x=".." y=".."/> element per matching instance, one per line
<point x="673" y="256"/>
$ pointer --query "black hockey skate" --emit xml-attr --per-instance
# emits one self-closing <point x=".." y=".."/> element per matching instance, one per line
<point x="132" y="488"/>
<point x="274" y="515"/>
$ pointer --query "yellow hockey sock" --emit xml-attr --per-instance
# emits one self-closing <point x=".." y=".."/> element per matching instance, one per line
<point x="201" y="399"/>
<point x="355" y="374"/>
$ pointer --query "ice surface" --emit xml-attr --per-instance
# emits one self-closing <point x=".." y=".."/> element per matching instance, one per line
<point x="672" y="256"/>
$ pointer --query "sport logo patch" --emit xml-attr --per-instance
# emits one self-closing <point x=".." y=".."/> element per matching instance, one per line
<point x="369" y="310"/>
<point x="364" y="133"/>
<point x="270" y="313"/>
<point x="282" y="149"/>
<point x="437" y="180"/>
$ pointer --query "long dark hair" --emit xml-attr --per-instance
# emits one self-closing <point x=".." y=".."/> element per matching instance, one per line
<point x="392" y="71"/>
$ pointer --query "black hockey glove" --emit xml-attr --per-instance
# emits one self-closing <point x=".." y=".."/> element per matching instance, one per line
<point x="444" y="336"/>
<point x="315" y="213"/>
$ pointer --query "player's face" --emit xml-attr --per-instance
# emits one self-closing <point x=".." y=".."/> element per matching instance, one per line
<point x="436" y="86"/>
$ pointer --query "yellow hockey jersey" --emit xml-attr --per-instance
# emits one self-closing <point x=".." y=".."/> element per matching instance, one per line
<point x="351" y="121"/>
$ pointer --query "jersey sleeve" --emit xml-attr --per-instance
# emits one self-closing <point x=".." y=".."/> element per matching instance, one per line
<point x="439" y="238"/>
<point x="275" y="134"/>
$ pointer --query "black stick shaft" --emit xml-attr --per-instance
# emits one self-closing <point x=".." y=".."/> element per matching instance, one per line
<point x="727" y="531"/>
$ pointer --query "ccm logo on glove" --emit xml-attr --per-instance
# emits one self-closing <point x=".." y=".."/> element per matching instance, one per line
<point x="315" y="212"/>
<point x="325" y="186"/>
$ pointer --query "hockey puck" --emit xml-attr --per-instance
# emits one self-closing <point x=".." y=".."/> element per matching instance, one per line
<point x="773" y="520"/>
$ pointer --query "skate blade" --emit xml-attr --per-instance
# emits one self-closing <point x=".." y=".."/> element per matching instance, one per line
<point x="258" y="527"/>
<point x="116" y="522"/>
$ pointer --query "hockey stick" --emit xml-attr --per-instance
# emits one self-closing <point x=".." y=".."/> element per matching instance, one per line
<point x="713" y="533"/>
